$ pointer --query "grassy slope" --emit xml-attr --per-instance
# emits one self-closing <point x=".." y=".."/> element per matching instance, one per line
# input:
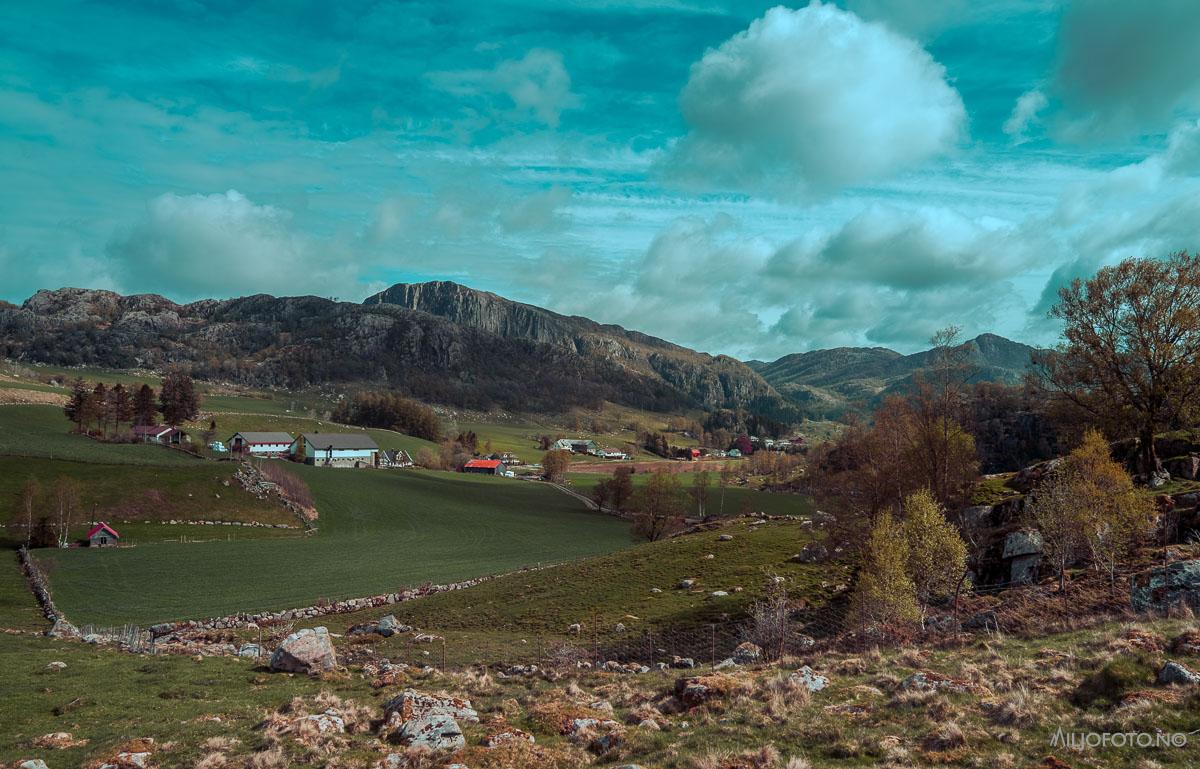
<point x="193" y="491"/>
<point x="379" y="531"/>
<point x="738" y="499"/>
<point x="43" y="431"/>
<point x="487" y="621"/>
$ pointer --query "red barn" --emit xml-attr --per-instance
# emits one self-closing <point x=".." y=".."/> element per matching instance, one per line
<point x="103" y="535"/>
<point x="484" y="466"/>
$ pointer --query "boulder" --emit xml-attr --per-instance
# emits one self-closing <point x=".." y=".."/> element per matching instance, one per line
<point x="308" y="650"/>
<point x="62" y="629"/>
<point x="435" y="731"/>
<point x="1174" y="673"/>
<point x="813" y="552"/>
<point x="1025" y="542"/>
<point x="1183" y="467"/>
<point x="1176" y="585"/>
<point x="725" y="538"/>
<point x="329" y="722"/>
<point x="812" y="680"/>
<point x="33" y="763"/>
<point x="251" y="651"/>
<point x="747" y="653"/>
<point x="56" y="665"/>
<point x="411" y="704"/>
<point x="687" y="584"/>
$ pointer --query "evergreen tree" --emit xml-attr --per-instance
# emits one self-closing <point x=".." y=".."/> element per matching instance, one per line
<point x="178" y="398"/>
<point x="145" y="412"/>
<point x="76" y="407"/>
<point x="98" y="408"/>
<point x="120" y="405"/>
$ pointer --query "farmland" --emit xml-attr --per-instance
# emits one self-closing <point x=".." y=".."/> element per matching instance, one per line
<point x="379" y="531"/>
<point x="733" y="500"/>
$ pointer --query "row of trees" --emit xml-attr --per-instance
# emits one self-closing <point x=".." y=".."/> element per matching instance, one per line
<point x="108" y="410"/>
<point x="392" y="412"/>
<point x="43" y="517"/>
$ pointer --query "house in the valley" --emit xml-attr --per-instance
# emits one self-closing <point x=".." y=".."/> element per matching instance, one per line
<point x="611" y="454"/>
<point x="575" y="445"/>
<point x="484" y="467"/>
<point x="335" y="450"/>
<point x="395" y="458"/>
<point x="260" y="444"/>
<point x="162" y="434"/>
<point x="103" y="535"/>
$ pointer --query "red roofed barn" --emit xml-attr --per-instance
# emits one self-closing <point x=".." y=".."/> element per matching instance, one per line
<point x="484" y="466"/>
<point x="103" y="535"/>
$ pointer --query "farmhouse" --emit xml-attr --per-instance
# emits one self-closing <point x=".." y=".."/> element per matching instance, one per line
<point x="612" y="454"/>
<point x="484" y="466"/>
<point x="395" y="458"/>
<point x="103" y="535"/>
<point x="260" y="444"/>
<point x="575" y="445"/>
<point x="336" y="450"/>
<point x="163" y="434"/>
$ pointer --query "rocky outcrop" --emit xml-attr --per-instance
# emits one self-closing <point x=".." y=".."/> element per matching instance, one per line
<point x="1174" y="586"/>
<point x="309" y="650"/>
<point x="439" y="342"/>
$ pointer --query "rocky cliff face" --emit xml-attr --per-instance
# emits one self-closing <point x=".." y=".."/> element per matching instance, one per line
<point x="440" y="342"/>
<point x="712" y="381"/>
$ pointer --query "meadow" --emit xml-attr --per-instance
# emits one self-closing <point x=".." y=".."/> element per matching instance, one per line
<point x="379" y="531"/>
<point x="722" y="503"/>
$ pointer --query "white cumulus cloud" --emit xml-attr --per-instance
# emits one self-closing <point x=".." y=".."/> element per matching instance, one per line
<point x="812" y="100"/>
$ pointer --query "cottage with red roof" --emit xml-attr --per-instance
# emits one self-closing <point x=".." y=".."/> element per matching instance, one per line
<point x="103" y="535"/>
<point x="484" y="467"/>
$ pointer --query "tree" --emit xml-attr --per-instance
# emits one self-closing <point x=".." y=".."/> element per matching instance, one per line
<point x="1130" y="355"/>
<point x="700" y="484"/>
<point x="145" y="412"/>
<point x="26" y="508"/>
<point x="885" y="597"/>
<point x="1088" y="508"/>
<point x="658" y="506"/>
<point x="76" y="408"/>
<point x="621" y="487"/>
<point x="178" y="399"/>
<point x="98" y="408"/>
<point x="937" y="555"/>
<point x="120" y="405"/>
<point x="66" y="503"/>
<point x="554" y="464"/>
<point x="600" y="494"/>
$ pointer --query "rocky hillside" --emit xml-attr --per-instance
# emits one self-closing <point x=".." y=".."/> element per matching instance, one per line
<point x="837" y="379"/>
<point x="440" y="342"/>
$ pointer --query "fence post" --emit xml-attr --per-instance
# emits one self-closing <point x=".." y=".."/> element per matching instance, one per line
<point x="650" y="643"/>
<point x="713" y="648"/>
<point x="443" y="654"/>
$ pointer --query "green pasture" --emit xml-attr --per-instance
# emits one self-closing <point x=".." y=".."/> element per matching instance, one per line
<point x="379" y="531"/>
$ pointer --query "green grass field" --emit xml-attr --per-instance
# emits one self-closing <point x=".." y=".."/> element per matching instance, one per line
<point x="43" y="431"/>
<point x="737" y="499"/>
<point x="379" y="531"/>
<point x="117" y="493"/>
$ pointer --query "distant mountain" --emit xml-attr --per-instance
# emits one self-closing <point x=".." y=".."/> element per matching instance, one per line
<point x="441" y="342"/>
<point x="855" y="377"/>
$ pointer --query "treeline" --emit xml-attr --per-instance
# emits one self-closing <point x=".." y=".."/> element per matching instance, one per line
<point x="391" y="412"/>
<point x="105" y="410"/>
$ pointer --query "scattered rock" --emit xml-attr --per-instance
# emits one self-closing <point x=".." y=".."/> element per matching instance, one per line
<point x="329" y="722"/>
<point x="435" y="731"/>
<point x="306" y="651"/>
<point x="1175" y="673"/>
<point x="683" y="662"/>
<point x="725" y="538"/>
<point x="252" y="651"/>
<point x="411" y="704"/>
<point x="718" y="594"/>
<point x="814" y="681"/>
<point x="507" y="736"/>
<point x="813" y="552"/>
<point x="1175" y="585"/>
<point x="619" y="627"/>
<point x="575" y="629"/>
<point x="747" y="653"/>
<point x="687" y="584"/>
<point x="56" y="665"/>
<point x="33" y="763"/>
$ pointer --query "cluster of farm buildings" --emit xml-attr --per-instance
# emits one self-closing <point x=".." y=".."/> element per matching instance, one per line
<point x="322" y="449"/>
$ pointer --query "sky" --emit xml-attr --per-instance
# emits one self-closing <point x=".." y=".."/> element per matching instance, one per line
<point x="737" y="177"/>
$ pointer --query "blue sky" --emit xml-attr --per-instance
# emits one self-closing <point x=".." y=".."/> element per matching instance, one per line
<point x="731" y="176"/>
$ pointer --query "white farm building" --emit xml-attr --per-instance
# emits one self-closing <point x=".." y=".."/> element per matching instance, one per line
<point x="260" y="444"/>
<point x="336" y="450"/>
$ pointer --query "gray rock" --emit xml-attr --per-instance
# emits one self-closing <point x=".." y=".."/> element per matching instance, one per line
<point x="813" y="552"/>
<point x="747" y="653"/>
<point x="250" y="651"/>
<point x="725" y="538"/>
<point x="411" y="704"/>
<point x="436" y="731"/>
<point x="1025" y="542"/>
<point x="1175" y="585"/>
<point x="1174" y="673"/>
<point x="814" y="681"/>
<point x="308" y="650"/>
<point x="33" y="763"/>
<point x="56" y="665"/>
<point x="687" y="584"/>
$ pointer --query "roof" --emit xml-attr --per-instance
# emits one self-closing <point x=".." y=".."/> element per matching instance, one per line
<point x="268" y="437"/>
<point x="102" y="526"/>
<point x="152" y="429"/>
<point x="341" y="441"/>
<point x="489" y="464"/>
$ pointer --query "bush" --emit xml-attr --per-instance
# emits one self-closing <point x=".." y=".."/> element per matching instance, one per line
<point x="1109" y="685"/>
